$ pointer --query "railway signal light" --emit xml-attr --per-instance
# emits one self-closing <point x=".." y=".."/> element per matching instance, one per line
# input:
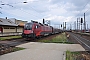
<point x="81" y="23"/>
<point x="61" y="25"/>
<point x="24" y="2"/>
<point x="81" y="20"/>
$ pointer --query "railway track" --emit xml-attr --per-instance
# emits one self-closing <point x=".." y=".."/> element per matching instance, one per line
<point x="9" y="45"/>
<point x="84" y="42"/>
<point x="14" y="42"/>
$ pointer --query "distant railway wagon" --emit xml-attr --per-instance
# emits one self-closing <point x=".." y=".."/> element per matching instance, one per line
<point x="55" y="30"/>
<point x="35" y="29"/>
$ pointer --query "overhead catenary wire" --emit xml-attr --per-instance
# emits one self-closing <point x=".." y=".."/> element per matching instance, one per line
<point x="87" y="10"/>
<point x="82" y="9"/>
<point x="19" y="9"/>
<point x="0" y="12"/>
<point x="84" y="6"/>
<point x="0" y="8"/>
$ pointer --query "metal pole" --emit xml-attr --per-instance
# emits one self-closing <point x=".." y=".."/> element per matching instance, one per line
<point x="59" y="26"/>
<point x="77" y="24"/>
<point x="63" y="26"/>
<point x="70" y="27"/>
<point x="84" y="23"/>
<point x="87" y="26"/>
<point x="81" y="27"/>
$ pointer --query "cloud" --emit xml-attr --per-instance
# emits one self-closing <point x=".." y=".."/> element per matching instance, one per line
<point x="57" y="11"/>
<point x="79" y="3"/>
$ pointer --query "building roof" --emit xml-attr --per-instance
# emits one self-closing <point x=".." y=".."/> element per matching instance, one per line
<point x="18" y="22"/>
<point x="7" y="22"/>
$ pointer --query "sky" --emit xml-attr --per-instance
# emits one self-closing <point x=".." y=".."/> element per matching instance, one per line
<point x="57" y="11"/>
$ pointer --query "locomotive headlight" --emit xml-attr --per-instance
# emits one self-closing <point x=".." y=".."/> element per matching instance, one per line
<point x="31" y="31"/>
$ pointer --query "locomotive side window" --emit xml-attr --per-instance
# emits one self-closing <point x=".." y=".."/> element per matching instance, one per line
<point x="36" y="27"/>
<point x="28" y="26"/>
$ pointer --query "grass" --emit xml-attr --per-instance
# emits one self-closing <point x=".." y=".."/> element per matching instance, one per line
<point x="58" y="39"/>
<point x="14" y="49"/>
<point x="18" y="48"/>
<point x="9" y="37"/>
<point x="71" y="55"/>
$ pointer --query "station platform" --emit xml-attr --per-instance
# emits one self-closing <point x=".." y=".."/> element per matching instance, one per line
<point x="9" y="34"/>
<point x="42" y="51"/>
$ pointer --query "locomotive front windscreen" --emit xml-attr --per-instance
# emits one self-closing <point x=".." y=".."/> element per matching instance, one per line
<point x="28" y="26"/>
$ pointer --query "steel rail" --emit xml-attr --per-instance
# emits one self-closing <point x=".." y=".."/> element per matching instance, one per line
<point x="81" y="40"/>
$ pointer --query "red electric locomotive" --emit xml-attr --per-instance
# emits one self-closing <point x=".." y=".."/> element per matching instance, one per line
<point x="35" y="29"/>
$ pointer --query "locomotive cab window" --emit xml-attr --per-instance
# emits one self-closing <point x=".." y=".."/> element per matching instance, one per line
<point x="28" y="26"/>
<point x="36" y="26"/>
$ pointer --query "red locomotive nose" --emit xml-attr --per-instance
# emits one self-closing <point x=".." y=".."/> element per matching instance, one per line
<point x="28" y="31"/>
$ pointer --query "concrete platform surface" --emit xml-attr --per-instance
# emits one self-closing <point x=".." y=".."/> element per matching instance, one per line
<point x="42" y="51"/>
